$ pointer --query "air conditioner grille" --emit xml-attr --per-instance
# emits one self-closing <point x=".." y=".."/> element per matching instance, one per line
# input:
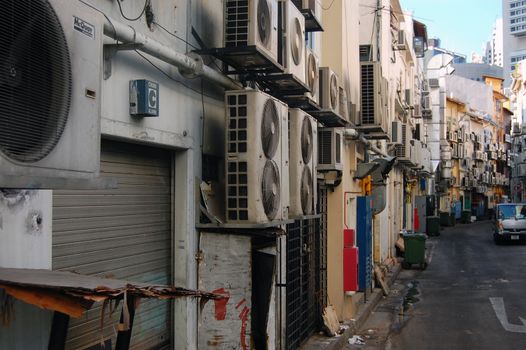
<point x="306" y="140"/>
<point x="237" y="123"/>
<point x="270" y="189"/>
<point x="35" y="80"/>
<point x="237" y="190"/>
<point x="368" y="94"/>
<point x="236" y="23"/>
<point x="338" y="148"/>
<point x="264" y="21"/>
<point x="333" y="91"/>
<point x="325" y="147"/>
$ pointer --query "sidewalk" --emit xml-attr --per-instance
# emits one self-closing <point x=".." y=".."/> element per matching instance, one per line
<point x="364" y="310"/>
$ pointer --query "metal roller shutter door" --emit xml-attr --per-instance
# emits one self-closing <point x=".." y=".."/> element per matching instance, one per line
<point x="121" y="233"/>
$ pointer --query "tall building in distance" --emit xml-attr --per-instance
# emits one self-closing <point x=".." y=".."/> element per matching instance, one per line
<point x="494" y="54"/>
<point x="514" y="35"/>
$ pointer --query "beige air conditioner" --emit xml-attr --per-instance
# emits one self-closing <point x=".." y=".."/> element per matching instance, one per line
<point x="257" y="158"/>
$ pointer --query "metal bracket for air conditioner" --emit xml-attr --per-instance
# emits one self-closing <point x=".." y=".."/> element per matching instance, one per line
<point x="110" y="50"/>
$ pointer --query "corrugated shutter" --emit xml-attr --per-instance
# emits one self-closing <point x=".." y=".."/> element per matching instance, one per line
<point x="122" y="233"/>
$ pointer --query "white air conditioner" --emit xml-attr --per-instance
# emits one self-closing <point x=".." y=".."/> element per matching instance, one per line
<point x="403" y="150"/>
<point x="50" y="93"/>
<point x="401" y="43"/>
<point x="433" y="83"/>
<point x="314" y="6"/>
<point x="409" y="97"/>
<point x="330" y="149"/>
<point x="329" y="90"/>
<point x="252" y="23"/>
<point x="396" y="132"/>
<point x="343" y="108"/>
<point x="303" y="148"/>
<point x="294" y="42"/>
<point x="312" y="75"/>
<point x="257" y="167"/>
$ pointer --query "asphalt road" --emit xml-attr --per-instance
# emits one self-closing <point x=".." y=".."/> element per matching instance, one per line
<point x="471" y="296"/>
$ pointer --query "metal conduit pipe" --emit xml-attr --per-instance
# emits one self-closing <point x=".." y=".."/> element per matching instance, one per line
<point x="186" y="64"/>
<point x="354" y="134"/>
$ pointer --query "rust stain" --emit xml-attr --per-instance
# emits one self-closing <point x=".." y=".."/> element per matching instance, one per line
<point x="215" y="341"/>
<point x="220" y="304"/>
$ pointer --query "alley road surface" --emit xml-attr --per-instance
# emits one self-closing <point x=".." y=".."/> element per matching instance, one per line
<point x="472" y="296"/>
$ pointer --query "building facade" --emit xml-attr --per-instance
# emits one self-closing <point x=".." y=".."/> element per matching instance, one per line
<point x="514" y="42"/>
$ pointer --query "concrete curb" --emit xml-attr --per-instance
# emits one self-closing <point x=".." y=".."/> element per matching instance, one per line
<point x="364" y="311"/>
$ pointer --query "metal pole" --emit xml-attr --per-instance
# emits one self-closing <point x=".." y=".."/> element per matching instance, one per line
<point x="128" y="35"/>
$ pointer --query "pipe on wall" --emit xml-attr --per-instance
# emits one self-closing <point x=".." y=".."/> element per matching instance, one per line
<point x="186" y="64"/>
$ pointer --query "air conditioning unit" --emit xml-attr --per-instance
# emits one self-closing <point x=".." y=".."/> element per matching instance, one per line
<point x="460" y="151"/>
<point x="403" y="151"/>
<point x="401" y="43"/>
<point x="343" y="109"/>
<point x="329" y="90"/>
<point x="330" y="149"/>
<point x="50" y="93"/>
<point x="312" y="75"/>
<point x="257" y="158"/>
<point x="485" y="156"/>
<point x="433" y="83"/>
<point x="454" y="152"/>
<point x="396" y="132"/>
<point x="372" y="88"/>
<point x="303" y="147"/>
<point x="314" y="6"/>
<point x="417" y="111"/>
<point x="252" y="23"/>
<point x="294" y="42"/>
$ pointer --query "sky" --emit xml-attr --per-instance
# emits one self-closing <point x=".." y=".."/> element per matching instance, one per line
<point x="462" y="25"/>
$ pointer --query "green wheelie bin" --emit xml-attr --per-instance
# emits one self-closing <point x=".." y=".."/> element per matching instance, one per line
<point x="415" y="250"/>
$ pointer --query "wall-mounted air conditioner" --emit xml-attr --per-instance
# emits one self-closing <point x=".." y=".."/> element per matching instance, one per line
<point x="314" y="7"/>
<point x="329" y="90"/>
<point x="403" y="150"/>
<point x="401" y="43"/>
<point x="433" y="83"/>
<point x="257" y="158"/>
<point x="252" y="23"/>
<point x="312" y="75"/>
<point x="50" y="93"/>
<point x="396" y="132"/>
<point x="330" y="149"/>
<point x="303" y="146"/>
<point x="294" y="41"/>
<point x="409" y="97"/>
<point x="373" y="92"/>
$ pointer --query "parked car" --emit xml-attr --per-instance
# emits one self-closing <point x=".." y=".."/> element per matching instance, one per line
<point x="510" y="222"/>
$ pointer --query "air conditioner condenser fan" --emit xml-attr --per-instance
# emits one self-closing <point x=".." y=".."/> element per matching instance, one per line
<point x="270" y="189"/>
<point x="306" y="190"/>
<point x="264" y="21"/>
<point x="35" y="80"/>
<point x="306" y="140"/>
<point x="270" y="130"/>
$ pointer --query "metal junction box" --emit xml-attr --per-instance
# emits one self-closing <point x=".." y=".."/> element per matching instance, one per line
<point x="144" y="98"/>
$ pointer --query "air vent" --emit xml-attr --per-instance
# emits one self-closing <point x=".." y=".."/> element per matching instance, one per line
<point x="236" y="23"/>
<point x="325" y="150"/>
<point x="329" y="149"/>
<point x="365" y="53"/>
<point x="368" y="94"/>
<point x="36" y="81"/>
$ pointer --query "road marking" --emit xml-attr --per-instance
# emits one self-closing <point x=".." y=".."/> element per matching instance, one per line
<point x="431" y="251"/>
<point x="500" y="311"/>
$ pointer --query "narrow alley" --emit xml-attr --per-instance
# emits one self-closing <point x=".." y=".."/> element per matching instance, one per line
<point x="470" y="297"/>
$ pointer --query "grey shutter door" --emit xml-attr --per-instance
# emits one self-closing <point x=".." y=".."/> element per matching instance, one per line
<point x="122" y="233"/>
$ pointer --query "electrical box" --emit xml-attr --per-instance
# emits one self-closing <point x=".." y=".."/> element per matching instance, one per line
<point x="144" y="98"/>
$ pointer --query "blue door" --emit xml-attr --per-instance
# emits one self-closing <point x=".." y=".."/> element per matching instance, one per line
<point x="364" y="242"/>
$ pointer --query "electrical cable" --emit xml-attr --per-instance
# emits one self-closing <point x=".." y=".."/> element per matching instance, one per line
<point x="146" y="4"/>
<point x="172" y="78"/>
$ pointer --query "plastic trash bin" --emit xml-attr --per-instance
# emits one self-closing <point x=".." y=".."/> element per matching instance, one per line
<point x="433" y="226"/>
<point x="466" y="216"/>
<point x="415" y="250"/>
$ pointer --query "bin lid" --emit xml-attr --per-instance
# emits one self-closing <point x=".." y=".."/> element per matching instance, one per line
<point x="417" y="236"/>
